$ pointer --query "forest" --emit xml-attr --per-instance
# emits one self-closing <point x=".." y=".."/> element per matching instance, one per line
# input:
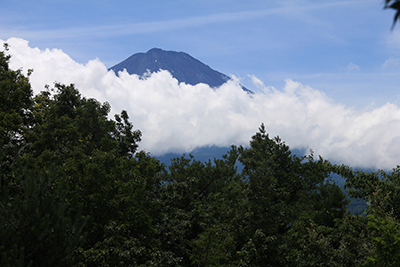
<point x="75" y="191"/>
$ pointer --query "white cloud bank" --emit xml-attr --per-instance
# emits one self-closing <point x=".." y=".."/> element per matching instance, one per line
<point x="177" y="117"/>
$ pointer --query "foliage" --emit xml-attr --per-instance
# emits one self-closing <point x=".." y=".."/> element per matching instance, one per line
<point x="76" y="192"/>
<point x="15" y="110"/>
<point x="36" y="224"/>
<point x="383" y="223"/>
<point x="385" y="233"/>
<point x="394" y="4"/>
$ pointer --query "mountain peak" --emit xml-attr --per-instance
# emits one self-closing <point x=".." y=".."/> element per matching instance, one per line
<point x="181" y="65"/>
<point x="156" y="51"/>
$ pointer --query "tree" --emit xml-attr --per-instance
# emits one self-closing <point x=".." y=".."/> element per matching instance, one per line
<point x="225" y="217"/>
<point x="394" y="4"/>
<point x="64" y="163"/>
<point x="310" y="244"/>
<point x="282" y="188"/>
<point x="37" y="226"/>
<point x="71" y="175"/>
<point x="384" y="219"/>
<point x="127" y="234"/>
<point x="36" y="223"/>
<point x="282" y="183"/>
<point x="114" y="186"/>
<point x="15" y="112"/>
<point x="186" y="196"/>
<point x="15" y="98"/>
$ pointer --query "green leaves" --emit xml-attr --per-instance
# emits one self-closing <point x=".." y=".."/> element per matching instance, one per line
<point x="36" y="223"/>
<point x="74" y="191"/>
<point x="15" y="98"/>
<point x="127" y="138"/>
<point x="66" y="121"/>
<point x="385" y="233"/>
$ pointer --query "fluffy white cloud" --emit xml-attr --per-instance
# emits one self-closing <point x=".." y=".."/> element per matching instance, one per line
<point x="176" y="117"/>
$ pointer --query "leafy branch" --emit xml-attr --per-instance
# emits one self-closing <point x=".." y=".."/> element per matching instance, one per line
<point x="394" y="4"/>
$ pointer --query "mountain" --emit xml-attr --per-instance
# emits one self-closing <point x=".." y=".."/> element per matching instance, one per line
<point x="181" y="65"/>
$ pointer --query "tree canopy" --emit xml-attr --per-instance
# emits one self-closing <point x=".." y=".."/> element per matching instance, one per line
<point x="75" y="191"/>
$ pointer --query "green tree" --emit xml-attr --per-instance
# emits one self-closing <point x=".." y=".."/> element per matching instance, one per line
<point x="112" y="184"/>
<point x="99" y="179"/>
<point x="16" y="100"/>
<point x="127" y="235"/>
<point x="384" y="220"/>
<point x="68" y="171"/>
<point x="205" y="211"/>
<point x="381" y="190"/>
<point x="15" y="112"/>
<point x="188" y="184"/>
<point x="36" y="223"/>
<point x="224" y="216"/>
<point x="282" y="188"/>
<point x="37" y="226"/>
<point x="310" y="244"/>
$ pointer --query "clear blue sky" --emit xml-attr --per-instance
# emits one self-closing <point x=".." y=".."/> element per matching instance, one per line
<point x="343" y="49"/>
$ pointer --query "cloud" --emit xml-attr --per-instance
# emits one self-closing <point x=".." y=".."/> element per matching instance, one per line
<point x="257" y="82"/>
<point x="391" y="62"/>
<point x="176" y="117"/>
<point x="142" y="27"/>
<point x="352" y="67"/>
<point x="36" y="32"/>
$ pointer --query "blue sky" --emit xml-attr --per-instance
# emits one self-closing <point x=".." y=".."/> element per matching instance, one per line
<point x="309" y="41"/>
<point x="342" y="49"/>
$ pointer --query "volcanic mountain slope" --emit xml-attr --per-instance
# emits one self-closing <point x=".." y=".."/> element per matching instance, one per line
<point x="182" y="66"/>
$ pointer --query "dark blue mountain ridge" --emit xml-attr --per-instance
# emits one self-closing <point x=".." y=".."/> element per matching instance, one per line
<point x="182" y="67"/>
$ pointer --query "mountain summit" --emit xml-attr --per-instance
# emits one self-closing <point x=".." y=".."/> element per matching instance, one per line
<point x="182" y="66"/>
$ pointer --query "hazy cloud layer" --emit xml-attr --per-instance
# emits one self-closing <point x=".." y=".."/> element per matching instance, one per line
<point x="177" y="117"/>
<point x="289" y="9"/>
<point x="352" y="67"/>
